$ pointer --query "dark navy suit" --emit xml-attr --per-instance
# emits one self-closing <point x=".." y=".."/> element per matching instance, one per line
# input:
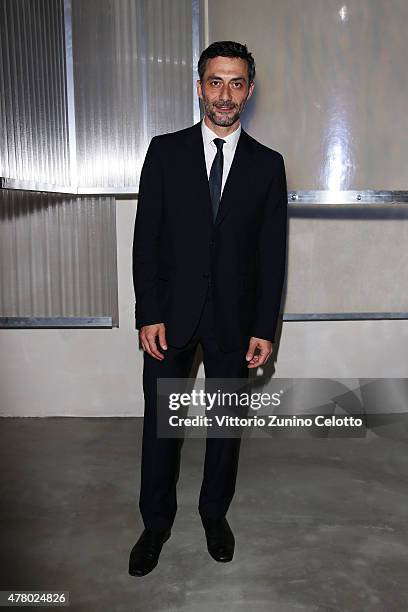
<point x="214" y="283"/>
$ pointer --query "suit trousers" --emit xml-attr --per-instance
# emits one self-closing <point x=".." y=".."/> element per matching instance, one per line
<point x="161" y="456"/>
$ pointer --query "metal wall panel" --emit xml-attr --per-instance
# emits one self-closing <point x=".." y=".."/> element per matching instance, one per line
<point x="133" y="79"/>
<point x="33" y="107"/>
<point x="331" y="90"/>
<point x="57" y="257"/>
<point x="84" y="85"/>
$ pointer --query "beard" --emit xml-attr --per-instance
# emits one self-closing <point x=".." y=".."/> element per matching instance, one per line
<point x="223" y="120"/>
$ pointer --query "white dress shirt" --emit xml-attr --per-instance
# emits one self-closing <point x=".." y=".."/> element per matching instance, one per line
<point x="228" y="149"/>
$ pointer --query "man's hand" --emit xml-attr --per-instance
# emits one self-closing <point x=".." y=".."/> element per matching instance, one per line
<point x="147" y="336"/>
<point x="265" y="350"/>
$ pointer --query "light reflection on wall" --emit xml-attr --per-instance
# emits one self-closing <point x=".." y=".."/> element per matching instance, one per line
<point x="337" y="170"/>
<point x="337" y="167"/>
<point x="344" y="13"/>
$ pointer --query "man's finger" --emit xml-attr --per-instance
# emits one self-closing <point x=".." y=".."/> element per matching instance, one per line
<point x="154" y="351"/>
<point x="254" y="362"/>
<point x="251" y="350"/>
<point x="265" y="350"/>
<point x="263" y="356"/>
<point x="146" y="347"/>
<point x="162" y="337"/>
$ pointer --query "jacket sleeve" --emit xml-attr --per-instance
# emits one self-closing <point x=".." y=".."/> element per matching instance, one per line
<point x="271" y="257"/>
<point x="146" y="239"/>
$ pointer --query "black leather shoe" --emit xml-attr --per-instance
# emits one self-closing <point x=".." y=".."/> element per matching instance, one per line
<point x="220" y="539"/>
<point x="144" y="556"/>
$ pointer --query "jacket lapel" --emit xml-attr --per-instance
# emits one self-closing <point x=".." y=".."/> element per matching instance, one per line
<point x="239" y="169"/>
<point x="197" y="169"/>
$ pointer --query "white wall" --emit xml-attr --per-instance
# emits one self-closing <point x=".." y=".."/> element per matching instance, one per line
<point x="344" y="349"/>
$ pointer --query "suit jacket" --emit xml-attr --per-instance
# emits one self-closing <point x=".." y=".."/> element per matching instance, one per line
<point x="178" y="250"/>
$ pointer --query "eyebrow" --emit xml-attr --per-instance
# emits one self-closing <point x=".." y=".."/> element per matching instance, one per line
<point x="214" y="76"/>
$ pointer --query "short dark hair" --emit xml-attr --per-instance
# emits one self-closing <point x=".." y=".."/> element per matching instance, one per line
<point x="227" y="48"/>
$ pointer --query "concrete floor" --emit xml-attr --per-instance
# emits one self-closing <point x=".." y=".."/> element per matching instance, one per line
<point x="320" y="524"/>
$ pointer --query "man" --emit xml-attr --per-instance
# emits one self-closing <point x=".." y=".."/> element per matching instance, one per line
<point x="208" y="265"/>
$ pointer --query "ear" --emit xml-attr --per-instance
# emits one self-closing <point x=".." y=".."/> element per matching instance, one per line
<point x="251" y="89"/>
<point x="199" y="90"/>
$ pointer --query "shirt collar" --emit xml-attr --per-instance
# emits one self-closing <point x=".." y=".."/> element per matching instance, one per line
<point x="230" y="140"/>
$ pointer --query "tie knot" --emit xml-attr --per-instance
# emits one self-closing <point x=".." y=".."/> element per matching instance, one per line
<point x="218" y="143"/>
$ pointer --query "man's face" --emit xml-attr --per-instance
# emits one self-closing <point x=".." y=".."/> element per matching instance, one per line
<point x="224" y="89"/>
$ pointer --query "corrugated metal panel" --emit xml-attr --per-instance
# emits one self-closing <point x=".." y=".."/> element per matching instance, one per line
<point x="33" y="109"/>
<point x="87" y="84"/>
<point x="57" y="256"/>
<point x="133" y="79"/>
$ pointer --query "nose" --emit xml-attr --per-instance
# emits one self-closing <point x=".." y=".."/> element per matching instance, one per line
<point x="225" y="93"/>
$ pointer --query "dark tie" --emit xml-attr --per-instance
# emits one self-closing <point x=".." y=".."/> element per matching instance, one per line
<point x="215" y="179"/>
